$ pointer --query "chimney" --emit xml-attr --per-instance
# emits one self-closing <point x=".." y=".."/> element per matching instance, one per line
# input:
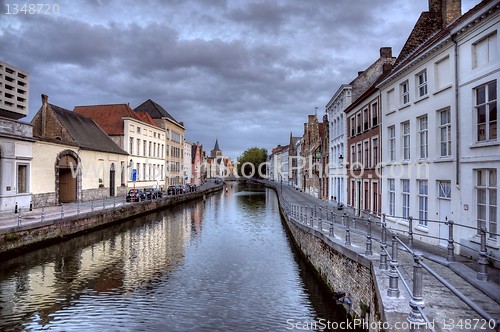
<point x="386" y="52"/>
<point x="45" y="102"/>
<point x="451" y="10"/>
<point x="446" y="10"/>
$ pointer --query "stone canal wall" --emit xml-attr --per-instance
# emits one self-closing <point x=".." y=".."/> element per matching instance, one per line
<point x="340" y="268"/>
<point x="25" y="237"/>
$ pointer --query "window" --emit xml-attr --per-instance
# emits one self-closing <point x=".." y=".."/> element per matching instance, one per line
<point x="131" y="147"/>
<point x="485" y="50"/>
<point x="22" y="178"/>
<point x="138" y="146"/>
<point x="445" y="133"/>
<point x="423" y="202"/>
<point x="405" y="185"/>
<point x="486" y="112"/>
<point x="150" y="147"/>
<point x="145" y="148"/>
<point x="138" y="130"/>
<point x="391" y="100"/>
<point x="353" y="154"/>
<point x="374" y="152"/>
<point x="366" y="159"/>
<point x="392" y="197"/>
<point x="444" y="189"/>
<point x="353" y="126"/>
<point x="392" y="143"/>
<point x="405" y="93"/>
<point x="486" y="196"/>
<point x="358" y="123"/>
<point x="406" y="140"/>
<point x="422" y="83"/>
<point x="423" y="137"/>
<point x="360" y="156"/>
<point x="443" y="73"/>
<point x="365" y="119"/>
<point x="374" y="114"/>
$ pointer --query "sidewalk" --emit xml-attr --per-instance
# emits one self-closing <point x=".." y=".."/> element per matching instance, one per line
<point x="441" y="303"/>
<point x="9" y="221"/>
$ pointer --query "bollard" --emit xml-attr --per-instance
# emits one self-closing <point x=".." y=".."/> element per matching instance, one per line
<point x="19" y="218"/>
<point x="482" y="274"/>
<point x="320" y="222"/>
<point x="353" y="222"/>
<point x="103" y="204"/>
<point x="42" y="217"/>
<point x="78" y="208"/>
<point x="451" y="246"/>
<point x="92" y="205"/>
<point x="15" y="208"/>
<point x="62" y="211"/>
<point x="332" y="225"/>
<point x="410" y="232"/>
<point x="347" y="233"/>
<point x="368" y="251"/>
<point x="301" y="214"/>
<point x="114" y="201"/>
<point x="415" y="318"/>
<point x="31" y="205"/>
<point x="393" y="290"/>
<point x="383" y="246"/>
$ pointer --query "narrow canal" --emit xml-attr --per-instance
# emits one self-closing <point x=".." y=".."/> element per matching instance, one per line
<point x="223" y="264"/>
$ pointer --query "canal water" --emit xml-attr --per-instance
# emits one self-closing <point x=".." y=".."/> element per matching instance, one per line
<point x="223" y="264"/>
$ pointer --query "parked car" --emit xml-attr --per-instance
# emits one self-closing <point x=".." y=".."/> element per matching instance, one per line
<point x="135" y="195"/>
<point x="172" y="190"/>
<point x="191" y="187"/>
<point x="153" y="193"/>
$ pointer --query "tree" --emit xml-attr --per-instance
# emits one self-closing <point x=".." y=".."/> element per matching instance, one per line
<point x="251" y="162"/>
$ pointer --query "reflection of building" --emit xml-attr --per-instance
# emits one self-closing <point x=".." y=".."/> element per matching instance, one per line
<point x="15" y="139"/>
<point x="139" y="135"/>
<point x="87" y="163"/>
<point x="174" y="139"/>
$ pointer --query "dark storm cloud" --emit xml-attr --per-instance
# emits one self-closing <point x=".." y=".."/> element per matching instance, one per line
<point x="246" y="72"/>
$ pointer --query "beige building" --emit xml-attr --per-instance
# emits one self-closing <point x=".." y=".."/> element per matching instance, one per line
<point x="75" y="159"/>
<point x="174" y="140"/>
<point x="139" y="135"/>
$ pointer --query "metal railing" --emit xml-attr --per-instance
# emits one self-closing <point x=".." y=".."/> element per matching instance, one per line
<point x="417" y="317"/>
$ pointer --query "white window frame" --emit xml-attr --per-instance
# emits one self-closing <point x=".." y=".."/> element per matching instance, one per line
<point x="423" y="202"/>
<point x="444" y="133"/>
<point x="405" y="135"/>
<point x="391" y="184"/>
<point x="487" y="104"/>
<point x="405" y="195"/>
<point x="404" y="90"/>
<point x="423" y="137"/>
<point x="392" y="143"/>
<point x="488" y="202"/>
<point x="421" y="82"/>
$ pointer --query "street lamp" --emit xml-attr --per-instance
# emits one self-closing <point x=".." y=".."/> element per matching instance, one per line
<point x="341" y="160"/>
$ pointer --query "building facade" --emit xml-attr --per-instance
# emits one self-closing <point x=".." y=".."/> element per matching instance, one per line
<point x="187" y="162"/>
<point x="337" y="174"/>
<point x="139" y="135"/>
<point x="363" y="136"/>
<point x="174" y="140"/>
<point x="16" y="140"/>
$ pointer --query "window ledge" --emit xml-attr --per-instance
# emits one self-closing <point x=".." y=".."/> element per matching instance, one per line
<point x="443" y="160"/>
<point x="421" y="99"/>
<point x="484" y="144"/>
<point x="404" y="106"/>
<point x="489" y="243"/>
<point x="446" y="87"/>
<point x="422" y="228"/>
<point x="390" y="112"/>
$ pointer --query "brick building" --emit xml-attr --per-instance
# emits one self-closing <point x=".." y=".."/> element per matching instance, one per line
<point x="363" y="131"/>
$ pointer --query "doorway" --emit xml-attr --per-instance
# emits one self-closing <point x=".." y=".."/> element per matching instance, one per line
<point x="67" y="173"/>
<point x="112" y="180"/>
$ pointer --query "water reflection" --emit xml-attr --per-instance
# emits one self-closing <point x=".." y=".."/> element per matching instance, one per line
<point x="220" y="264"/>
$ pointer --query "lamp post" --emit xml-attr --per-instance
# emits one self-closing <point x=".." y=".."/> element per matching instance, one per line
<point x="341" y="164"/>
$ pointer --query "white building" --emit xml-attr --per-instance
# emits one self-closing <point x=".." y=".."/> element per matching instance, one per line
<point x="300" y="164"/>
<point x="337" y="173"/>
<point x="187" y="163"/>
<point x="440" y="163"/>
<point x="16" y="139"/>
<point x="478" y="149"/>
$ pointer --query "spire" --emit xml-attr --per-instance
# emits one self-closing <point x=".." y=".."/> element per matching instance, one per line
<point x="216" y="147"/>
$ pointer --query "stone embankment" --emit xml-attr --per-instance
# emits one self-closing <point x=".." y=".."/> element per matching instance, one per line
<point x="53" y="224"/>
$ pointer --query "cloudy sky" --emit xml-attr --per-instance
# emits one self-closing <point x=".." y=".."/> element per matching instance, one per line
<point x="245" y="72"/>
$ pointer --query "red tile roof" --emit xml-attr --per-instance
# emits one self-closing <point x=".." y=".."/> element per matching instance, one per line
<point x="145" y="117"/>
<point x="110" y="117"/>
